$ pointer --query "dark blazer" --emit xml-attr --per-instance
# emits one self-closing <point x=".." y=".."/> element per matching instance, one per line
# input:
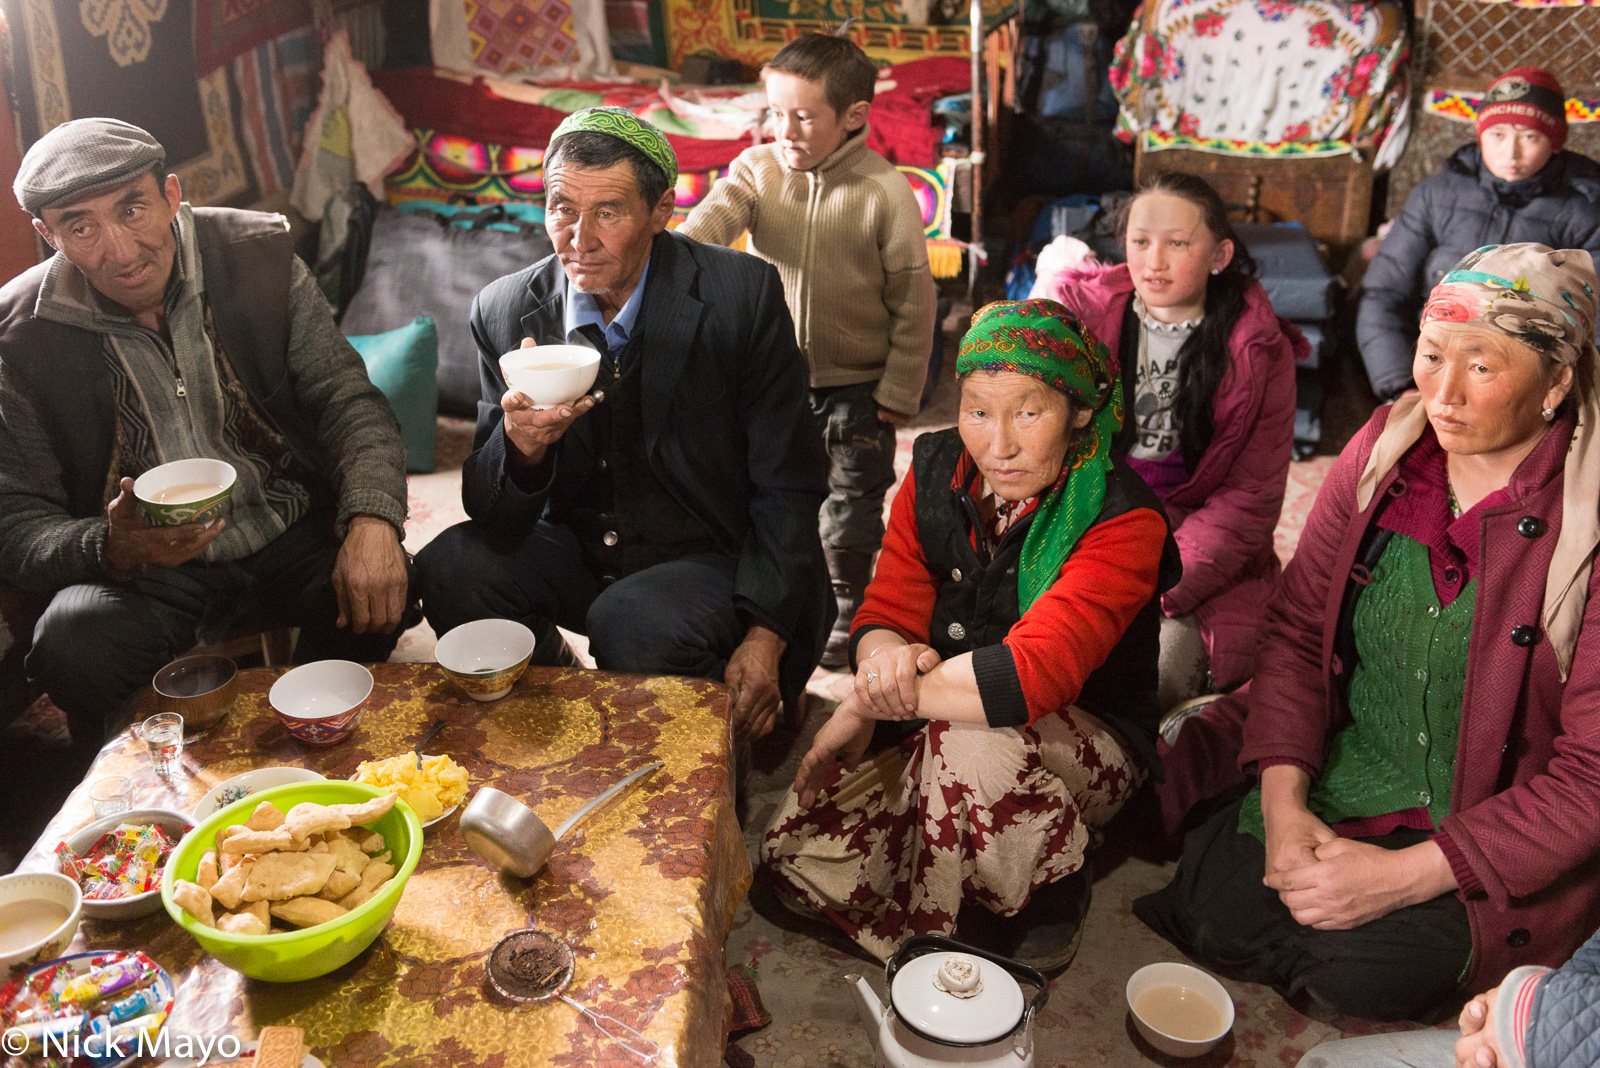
<point x="728" y="428"/>
<point x="1460" y="209"/>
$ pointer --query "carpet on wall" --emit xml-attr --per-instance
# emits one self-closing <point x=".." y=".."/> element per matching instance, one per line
<point x="132" y="60"/>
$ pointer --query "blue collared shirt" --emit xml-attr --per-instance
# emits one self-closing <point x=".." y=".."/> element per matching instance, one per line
<point x="583" y="309"/>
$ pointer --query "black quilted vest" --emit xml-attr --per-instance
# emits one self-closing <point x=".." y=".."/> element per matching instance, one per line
<point x="977" y="600"/>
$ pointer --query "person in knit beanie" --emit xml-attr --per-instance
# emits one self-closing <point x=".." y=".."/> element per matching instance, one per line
<point x="1522" y="122"/>
<point x="1517" y="183"/>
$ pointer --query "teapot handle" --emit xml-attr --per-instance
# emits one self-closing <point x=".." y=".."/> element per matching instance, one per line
<point x="920" y="945"/>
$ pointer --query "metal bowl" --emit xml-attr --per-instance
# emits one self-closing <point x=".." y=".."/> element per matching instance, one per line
<point x="506" y="833"/>
<point x="176" y="824"/>
<point x="199" y="688"/>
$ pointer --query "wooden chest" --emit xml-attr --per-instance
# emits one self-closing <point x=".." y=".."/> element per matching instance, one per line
<point x="1331" y="196"/>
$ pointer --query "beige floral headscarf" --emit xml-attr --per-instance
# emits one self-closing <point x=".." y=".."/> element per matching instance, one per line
<point x="1546" y="299"/>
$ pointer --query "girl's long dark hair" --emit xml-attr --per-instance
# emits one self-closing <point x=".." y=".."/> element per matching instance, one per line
<point x="1205" y="356"/>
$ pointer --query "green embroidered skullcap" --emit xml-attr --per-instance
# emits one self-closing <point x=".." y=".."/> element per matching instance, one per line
<point x="1043" y="340"/>
<point x="625" y="126"/>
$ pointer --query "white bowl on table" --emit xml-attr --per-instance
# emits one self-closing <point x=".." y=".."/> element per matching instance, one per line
<point x="51" y="887"/>
<point x="176" y="824"/>
<point x="243" y="785"/>
<point x="486" y="656"/>
<point x="1193" y="982"/>
<point x="551" y="375"/>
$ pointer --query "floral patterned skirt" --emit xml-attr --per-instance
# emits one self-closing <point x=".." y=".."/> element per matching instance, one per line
<point x="955" y="813"/>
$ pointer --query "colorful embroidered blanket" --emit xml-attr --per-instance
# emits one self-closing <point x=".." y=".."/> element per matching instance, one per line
<point x="1263" y="72"/>
<point x="448" y="167"/>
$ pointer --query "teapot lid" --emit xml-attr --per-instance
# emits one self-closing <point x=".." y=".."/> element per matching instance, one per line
<point x="957" y="998"/>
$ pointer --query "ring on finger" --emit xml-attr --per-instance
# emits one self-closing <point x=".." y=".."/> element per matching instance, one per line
<point x="872" y="677"/>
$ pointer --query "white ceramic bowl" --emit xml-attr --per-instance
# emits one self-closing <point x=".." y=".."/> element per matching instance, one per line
<point x="549" y="375"/>
<point x="320" y="703"/>
<point x="486" y="657"/>
<point x="41" y="886"/>
<point x="176" y="824"/>
<point x="242" y="786"/>
<point x="202" y="508"/>
<point x="1192" y="979"/>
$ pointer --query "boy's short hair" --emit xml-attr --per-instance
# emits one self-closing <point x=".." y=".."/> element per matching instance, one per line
<point x="846" y="74"/>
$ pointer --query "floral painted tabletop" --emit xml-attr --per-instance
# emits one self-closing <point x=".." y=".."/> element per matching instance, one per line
<point x="644" y="890"/>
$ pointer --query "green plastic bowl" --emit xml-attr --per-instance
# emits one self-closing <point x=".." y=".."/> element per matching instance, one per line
<point x="288" y="958"/>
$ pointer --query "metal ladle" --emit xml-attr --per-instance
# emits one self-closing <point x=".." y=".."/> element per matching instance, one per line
<point x="533" y="965"/>
<point x="512" y="837"/>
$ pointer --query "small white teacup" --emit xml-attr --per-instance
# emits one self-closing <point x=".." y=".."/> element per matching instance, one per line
<point x="551" y="375"/>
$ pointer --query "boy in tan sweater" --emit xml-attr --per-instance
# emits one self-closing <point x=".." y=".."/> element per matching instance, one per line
<point x="843" y="228"/>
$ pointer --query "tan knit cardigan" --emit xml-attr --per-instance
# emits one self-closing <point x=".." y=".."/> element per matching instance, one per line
<point x="846" y="237"/>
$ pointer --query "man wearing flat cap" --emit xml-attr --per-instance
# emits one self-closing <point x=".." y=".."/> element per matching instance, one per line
<point x="161" y="332"/>
<point x="670" y="515"/>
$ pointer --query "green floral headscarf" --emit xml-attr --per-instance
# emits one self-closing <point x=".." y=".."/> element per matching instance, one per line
<point x="625" y="126"/>
<point x="1043" y="340"/>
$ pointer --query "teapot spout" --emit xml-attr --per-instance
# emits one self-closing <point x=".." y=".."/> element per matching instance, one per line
<point x="867" y="1004"/>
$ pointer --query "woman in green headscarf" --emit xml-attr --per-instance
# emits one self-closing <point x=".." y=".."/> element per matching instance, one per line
<point x="1009" y="638"/>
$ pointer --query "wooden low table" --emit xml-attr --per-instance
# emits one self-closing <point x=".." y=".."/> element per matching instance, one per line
<point x="645" y="890"/>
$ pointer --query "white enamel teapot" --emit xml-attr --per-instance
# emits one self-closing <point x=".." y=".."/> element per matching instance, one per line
<point x="951" y="1004"/>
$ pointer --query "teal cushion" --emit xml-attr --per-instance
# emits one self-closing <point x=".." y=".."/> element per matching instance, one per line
<point x="403" y="364"/>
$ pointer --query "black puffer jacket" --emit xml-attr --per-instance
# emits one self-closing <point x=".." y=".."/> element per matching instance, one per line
<point x="1460" y="209"/>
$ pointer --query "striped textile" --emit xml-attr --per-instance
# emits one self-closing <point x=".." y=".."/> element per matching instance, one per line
<point x="277" y="85"/>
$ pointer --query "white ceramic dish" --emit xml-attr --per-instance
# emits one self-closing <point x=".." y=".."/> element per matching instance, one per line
<point x="242" y="786"/>
<point x="549" y="375"/>
<point x="1170" y="973"/>
<point x="485" y="657"/>
<point x="321" y="703"/>
<point x="41" y="886"/>
<point x="80" y="964"/>
<point x="176" y="824"/>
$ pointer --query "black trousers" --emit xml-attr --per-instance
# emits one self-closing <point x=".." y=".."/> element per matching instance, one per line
<point x="1404" y="966"/>
<point x="97" y="643"/>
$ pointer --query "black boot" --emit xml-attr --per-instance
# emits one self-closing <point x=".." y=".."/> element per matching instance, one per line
<point x="851" y="571"/>
<point x="1045" y="934"/>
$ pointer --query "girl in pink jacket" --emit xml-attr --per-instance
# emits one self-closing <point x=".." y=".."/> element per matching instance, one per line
<point x="1208" y="371"/>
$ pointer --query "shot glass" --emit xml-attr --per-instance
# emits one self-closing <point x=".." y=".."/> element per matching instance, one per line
<point x="110" y="795"/>
<point x="163" y="736"/>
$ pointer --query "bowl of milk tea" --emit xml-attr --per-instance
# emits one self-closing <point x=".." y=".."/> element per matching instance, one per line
<point x="1179" y="1009"/>
<point x="549" y="375"/>
<point x="39" y="914"/>
<point x="320" y="703"/>
<point x="185" y="491"/>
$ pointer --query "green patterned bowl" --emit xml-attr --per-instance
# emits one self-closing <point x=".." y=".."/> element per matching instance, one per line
<point x="185" y="491"/>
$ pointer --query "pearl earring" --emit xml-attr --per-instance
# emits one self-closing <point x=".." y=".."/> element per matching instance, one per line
<point x="1216" y="270"/>
<point x="1549" y="414"/>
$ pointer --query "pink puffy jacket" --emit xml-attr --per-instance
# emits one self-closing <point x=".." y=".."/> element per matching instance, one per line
<point x="1224" y="516"/>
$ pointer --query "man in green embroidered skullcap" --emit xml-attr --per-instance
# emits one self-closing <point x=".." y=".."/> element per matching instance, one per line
<point x="671" y="514"/>
<point x="1018" y="590"/>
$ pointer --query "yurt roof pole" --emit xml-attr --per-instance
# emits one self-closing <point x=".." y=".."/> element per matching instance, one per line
<point x="977" y="154"/>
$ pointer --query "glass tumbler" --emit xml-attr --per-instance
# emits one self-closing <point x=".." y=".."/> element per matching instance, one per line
<point x="163" y="736"/>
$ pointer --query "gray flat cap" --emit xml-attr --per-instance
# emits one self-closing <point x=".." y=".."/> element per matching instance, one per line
<point x="81" y="157"/>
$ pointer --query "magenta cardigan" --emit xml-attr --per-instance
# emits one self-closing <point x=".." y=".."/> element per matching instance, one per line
<point x="1224" y="515"/>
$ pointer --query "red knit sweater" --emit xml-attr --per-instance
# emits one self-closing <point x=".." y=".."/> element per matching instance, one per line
<point x="1066" y="634"/>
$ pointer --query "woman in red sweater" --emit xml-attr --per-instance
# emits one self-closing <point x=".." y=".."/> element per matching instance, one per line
<point x="1006" y="652"/>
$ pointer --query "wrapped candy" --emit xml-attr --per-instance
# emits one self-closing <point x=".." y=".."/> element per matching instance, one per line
<point x="124" y="862"/>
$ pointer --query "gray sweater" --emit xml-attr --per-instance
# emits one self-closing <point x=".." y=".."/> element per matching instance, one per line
<point x="44" y="546"/>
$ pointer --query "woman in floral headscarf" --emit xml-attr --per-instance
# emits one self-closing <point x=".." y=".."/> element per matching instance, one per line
<point x="1425" y="713"/>
<point x="1006" y="653"/>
